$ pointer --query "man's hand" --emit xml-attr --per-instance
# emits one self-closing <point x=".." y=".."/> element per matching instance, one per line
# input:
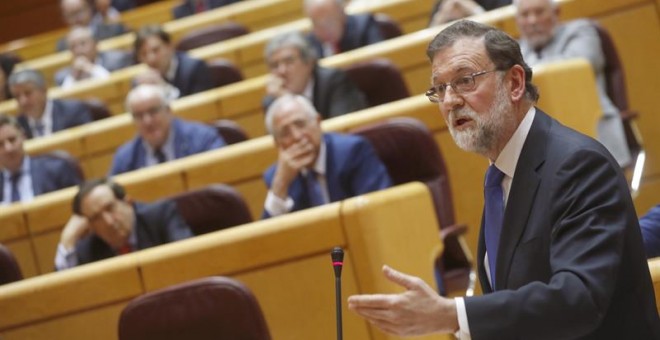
<point x="275" y="86"/>
<point x="417" y="311"/>
<point x="81" y="68"/>
<point x="455" y="9"/>
<point x="75" y="229"/>
<point x="289" y="163"/>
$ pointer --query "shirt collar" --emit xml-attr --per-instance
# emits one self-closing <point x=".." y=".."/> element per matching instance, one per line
<point x="168" y="146"/>
<point x="46" y="117"/>
<point x="508" y="158"/>
<point x="25" y="168"/>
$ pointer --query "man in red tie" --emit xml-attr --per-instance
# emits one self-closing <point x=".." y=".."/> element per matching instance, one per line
<point x="107" y="223"/>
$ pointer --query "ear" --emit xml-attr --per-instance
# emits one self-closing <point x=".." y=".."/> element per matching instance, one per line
<point x="516" y="83"/>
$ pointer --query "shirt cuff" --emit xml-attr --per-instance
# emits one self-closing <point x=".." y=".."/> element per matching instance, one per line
<point x="463" y="327"/>
<point x="276" y="206"/>
<point x="64" y="258"/>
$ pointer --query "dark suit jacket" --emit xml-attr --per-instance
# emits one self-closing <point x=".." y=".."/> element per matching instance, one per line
<point x="48" y="174"/>
<point x="571" y="263"/>
<point x="192" y="75"/>
<point x="334" y="93"/>
<point x="103" y="31"/>
<point x="110" y="60"/>
<point x="650" y="224"/>
<point x="359" y="30"/>
<point x="352" y="168"/>
<point x="66" y="113"/>
<point x="155" y="224"/>
<point x="189" y="138"/>
<point x="186" y="8"/>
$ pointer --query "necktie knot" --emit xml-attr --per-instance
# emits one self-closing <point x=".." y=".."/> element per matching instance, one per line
<point x="493" y="176"/>
<point x="160" y="155"/>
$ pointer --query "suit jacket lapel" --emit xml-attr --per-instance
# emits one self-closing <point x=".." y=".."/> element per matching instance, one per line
<point x="57" y="121"/>
<point x="522" y="195"/>
<point x="331" y="171"/>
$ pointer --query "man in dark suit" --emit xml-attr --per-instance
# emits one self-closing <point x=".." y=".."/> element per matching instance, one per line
<point x="38" y="115"/>
<point x="161" y="136"/>
<point x="650" y="224"/>
<point x="560" y="254"/>
<point x="314" y="168"/>
<point x="79" y="13"/>
<point x="190" y="7"/>
<point x="87" y="62"/>
<point x="334" y="32"/>
<point x="153" y="46"/>
<point x="107" y="223"/>
<point x="24" y="177"/>
<point x="293" y="69"/>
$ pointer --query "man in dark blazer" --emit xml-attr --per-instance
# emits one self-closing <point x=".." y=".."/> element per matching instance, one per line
<point x="334" y="32"/>
<point x="23" y="176"/>
<point x="153" y="46"/>
<point x="87" y="62"/>
<point x="293" y="69"/>
<point x="562" y="255"/>
<point x="38" y="115"/>
<point x="107" y="223"/>
<point x="161" y="136"/>
<point x="190" y="7"/>
<point x="342" y="166"/>
<point x="79" y="13"/>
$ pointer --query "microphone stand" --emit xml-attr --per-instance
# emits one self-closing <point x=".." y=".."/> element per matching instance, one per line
<point x="337" y="255"/>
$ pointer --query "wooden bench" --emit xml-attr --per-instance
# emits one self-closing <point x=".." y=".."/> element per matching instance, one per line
<point x="44" y="44"/>
<point x="246" y="51"/>
<point x="284" y="261"/>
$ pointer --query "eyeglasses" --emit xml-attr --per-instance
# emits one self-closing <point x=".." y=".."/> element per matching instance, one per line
<point x="462" y="84"/>
<point x="151" y="112"/>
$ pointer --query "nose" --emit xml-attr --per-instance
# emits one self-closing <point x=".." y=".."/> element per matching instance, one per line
<point x="451" y="100"/>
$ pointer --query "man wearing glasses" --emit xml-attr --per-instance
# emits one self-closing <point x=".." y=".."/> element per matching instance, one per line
<point x="560" y="253"/>
<point x="161" y="136"/>
<point x="107" y="223"/>
<point x="314" y="168"/>
<point x="293" y="69"/>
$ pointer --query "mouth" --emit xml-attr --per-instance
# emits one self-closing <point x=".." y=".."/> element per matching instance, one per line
<point x="461" y="122"/>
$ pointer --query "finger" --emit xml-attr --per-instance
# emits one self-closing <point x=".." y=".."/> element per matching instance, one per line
<point x="369" y="301"/>
<point x="405" y="280"/>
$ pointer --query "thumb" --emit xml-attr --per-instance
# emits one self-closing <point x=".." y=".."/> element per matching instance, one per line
<point x="407" y="281"/>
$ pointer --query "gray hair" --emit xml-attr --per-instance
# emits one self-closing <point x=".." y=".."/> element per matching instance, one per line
<point x="502" y="50"/>
<point x="295" y="40"/>
<point x="27" y="76"/>
<point x="285" y="99"/>
<point x="146" y="91"/>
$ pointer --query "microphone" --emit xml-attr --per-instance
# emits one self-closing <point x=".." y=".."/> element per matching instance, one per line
<point x="337" y="255"/>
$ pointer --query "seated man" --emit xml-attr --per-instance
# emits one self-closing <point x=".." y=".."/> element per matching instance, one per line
<point x="161" y="137"/>
<point x="334" y="32"/>
<point x="544" y="40"/>
<point x="293" y="69"/>
<point x="38" y="115"/>
<point x="445" y="11"/>
<point x="650" y="224"/>
<point x="153" y="46"/>
<point x="79" y="13"/>
<point x="88" y="62"/>
<point x="190" y="7"/>
<point x="107" y="223"/>
<point x="24" y="177"/>
<point x="314" y="168"/>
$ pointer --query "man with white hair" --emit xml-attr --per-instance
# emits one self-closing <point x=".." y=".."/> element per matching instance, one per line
<point x="79" y="13"/>
<point x="333" y="31"/>
<point x="314" y="168"/>
<point x="543" y="39"/>
<point x="161" y="136"/>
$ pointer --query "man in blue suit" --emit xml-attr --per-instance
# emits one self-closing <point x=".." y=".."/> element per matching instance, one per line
<point x="161" y="136"/>
<point x="650" y="224"/>
<point x="38" y="115"/>
<point x="190" y="7"/>
<point x="106" y="223"/>
<point x="314" y="168"/>
<point x="559" y="251"/>
<point x="334" y="32"/>
<point x="153" y="46"/>
<point x="24" y="177"/>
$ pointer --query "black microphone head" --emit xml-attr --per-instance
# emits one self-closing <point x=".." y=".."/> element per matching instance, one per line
<point x="337" y="255"/>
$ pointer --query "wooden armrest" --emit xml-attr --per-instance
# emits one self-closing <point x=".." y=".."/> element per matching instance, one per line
<point x="453" y="231"/>
<point x="629" y="114"/>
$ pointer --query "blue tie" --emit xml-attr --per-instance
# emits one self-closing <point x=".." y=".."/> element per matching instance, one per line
<point x="160" y="156"/>
<point x="493" y="216"/>
<point x="15" y="193"/>
<point x="314" y="193"/>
